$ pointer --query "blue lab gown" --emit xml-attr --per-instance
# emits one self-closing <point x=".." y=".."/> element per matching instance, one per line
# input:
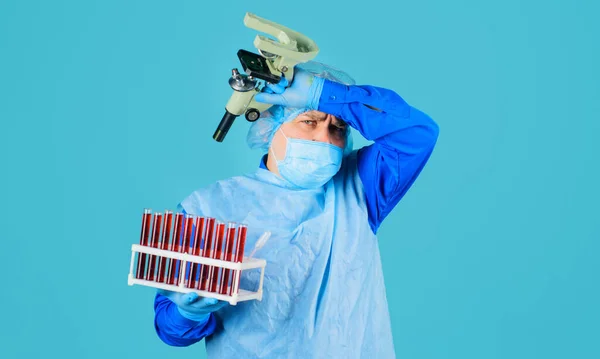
<point x="323" y="291"/>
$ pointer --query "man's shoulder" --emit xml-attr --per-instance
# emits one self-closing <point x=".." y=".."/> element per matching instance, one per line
<point x="223" y="185"/>
<point x="348" y="179"/>
<point x="348" y="169"/>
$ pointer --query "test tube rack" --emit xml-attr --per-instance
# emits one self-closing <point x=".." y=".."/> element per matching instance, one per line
<point x="203" y="255"/>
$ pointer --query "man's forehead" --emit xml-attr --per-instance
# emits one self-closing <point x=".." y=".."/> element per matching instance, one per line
<point x="321" y="116"/>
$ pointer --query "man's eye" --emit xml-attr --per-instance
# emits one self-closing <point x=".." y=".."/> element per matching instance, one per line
<point x="308" y="122"/>
<point x="339" y="129"/>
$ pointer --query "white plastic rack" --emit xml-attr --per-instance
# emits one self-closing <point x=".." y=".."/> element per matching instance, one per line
<point x="237" y="294"/>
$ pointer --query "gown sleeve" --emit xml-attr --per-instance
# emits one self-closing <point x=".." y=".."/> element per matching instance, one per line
<point x="404" y="138"/>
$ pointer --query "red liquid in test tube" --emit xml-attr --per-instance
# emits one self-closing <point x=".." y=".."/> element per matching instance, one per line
<point x="164" y="245"/>
<point x="185" y="245"/>
<point x="205" y="272"/>
<point x="174" y="247"/>
<point x="141" y="264"/>
<point x="196" y="251"/>
<point x="217" y="254"/>
<point x="189" y="226"/>
<point x="156" y="227"/>
<point x="227" y="256"/>
<point x="239" y="257"/>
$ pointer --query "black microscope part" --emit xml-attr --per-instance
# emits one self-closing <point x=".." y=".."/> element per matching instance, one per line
<point x="224" y="126"/>
<point x="256" y="66"/>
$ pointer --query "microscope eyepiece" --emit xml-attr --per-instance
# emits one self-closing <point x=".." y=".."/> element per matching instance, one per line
<point x="224" y="126"/>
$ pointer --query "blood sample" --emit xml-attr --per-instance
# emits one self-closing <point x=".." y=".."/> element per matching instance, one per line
<point x="164" y="245"/>
<point x="227" y="256"/>
<point x="174" y="247"/>
<point x="205" y="272"/>
<point x="239" y="256"/>
<point x="196" y="250"/>
<point x="156" y="226"/>
<point x="189" y="226"/>
<point x="197" y="245"/>
<point x="185" y="244"/>
<point x="217" y="254"/>
<point x="241" y="243"/>
<point x="141" y="265"/>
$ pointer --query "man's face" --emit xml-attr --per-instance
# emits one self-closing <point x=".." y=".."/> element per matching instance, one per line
<point x="311" y="126"/>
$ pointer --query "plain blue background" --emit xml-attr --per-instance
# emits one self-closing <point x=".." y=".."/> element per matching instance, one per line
<point x="107" y="107"/>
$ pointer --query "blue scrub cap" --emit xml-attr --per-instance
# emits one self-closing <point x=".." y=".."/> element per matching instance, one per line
<point x="261" y="132"/>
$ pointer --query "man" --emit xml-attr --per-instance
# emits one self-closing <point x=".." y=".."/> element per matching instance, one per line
<point x="323" y="292"/>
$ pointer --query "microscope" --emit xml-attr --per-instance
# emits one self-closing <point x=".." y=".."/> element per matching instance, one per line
<point x="274" y="60"/>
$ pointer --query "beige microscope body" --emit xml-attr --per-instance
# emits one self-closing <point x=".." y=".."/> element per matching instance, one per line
<point x="276" y="59"/>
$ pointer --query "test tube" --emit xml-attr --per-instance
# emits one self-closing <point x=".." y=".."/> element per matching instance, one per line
<point x="217" y="254"/>
<point x="174" y="247"/>
<point x="205" y="272"/>
<point x="196" y="251"/>
<point x="141" y="264"/>
<point x="189" y="226"/>
<point x="156" y="226"/>
<point x="227" y="256"/>
<point x="164" y="245"/>
<point x="185" y="244"/>
<point x="239" y="257"/>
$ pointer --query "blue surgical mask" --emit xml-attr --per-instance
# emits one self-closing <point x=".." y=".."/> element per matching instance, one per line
<point x="309" y="164"/>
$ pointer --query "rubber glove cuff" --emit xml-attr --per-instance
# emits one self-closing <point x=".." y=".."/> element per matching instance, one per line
<point x="314" y="92"/>
<point x="203" y="318"/>
<point x="193" y="307"/>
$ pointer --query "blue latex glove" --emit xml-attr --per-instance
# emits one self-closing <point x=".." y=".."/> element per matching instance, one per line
<point x="304" y="92"/>
<point x="192" y="306"/>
